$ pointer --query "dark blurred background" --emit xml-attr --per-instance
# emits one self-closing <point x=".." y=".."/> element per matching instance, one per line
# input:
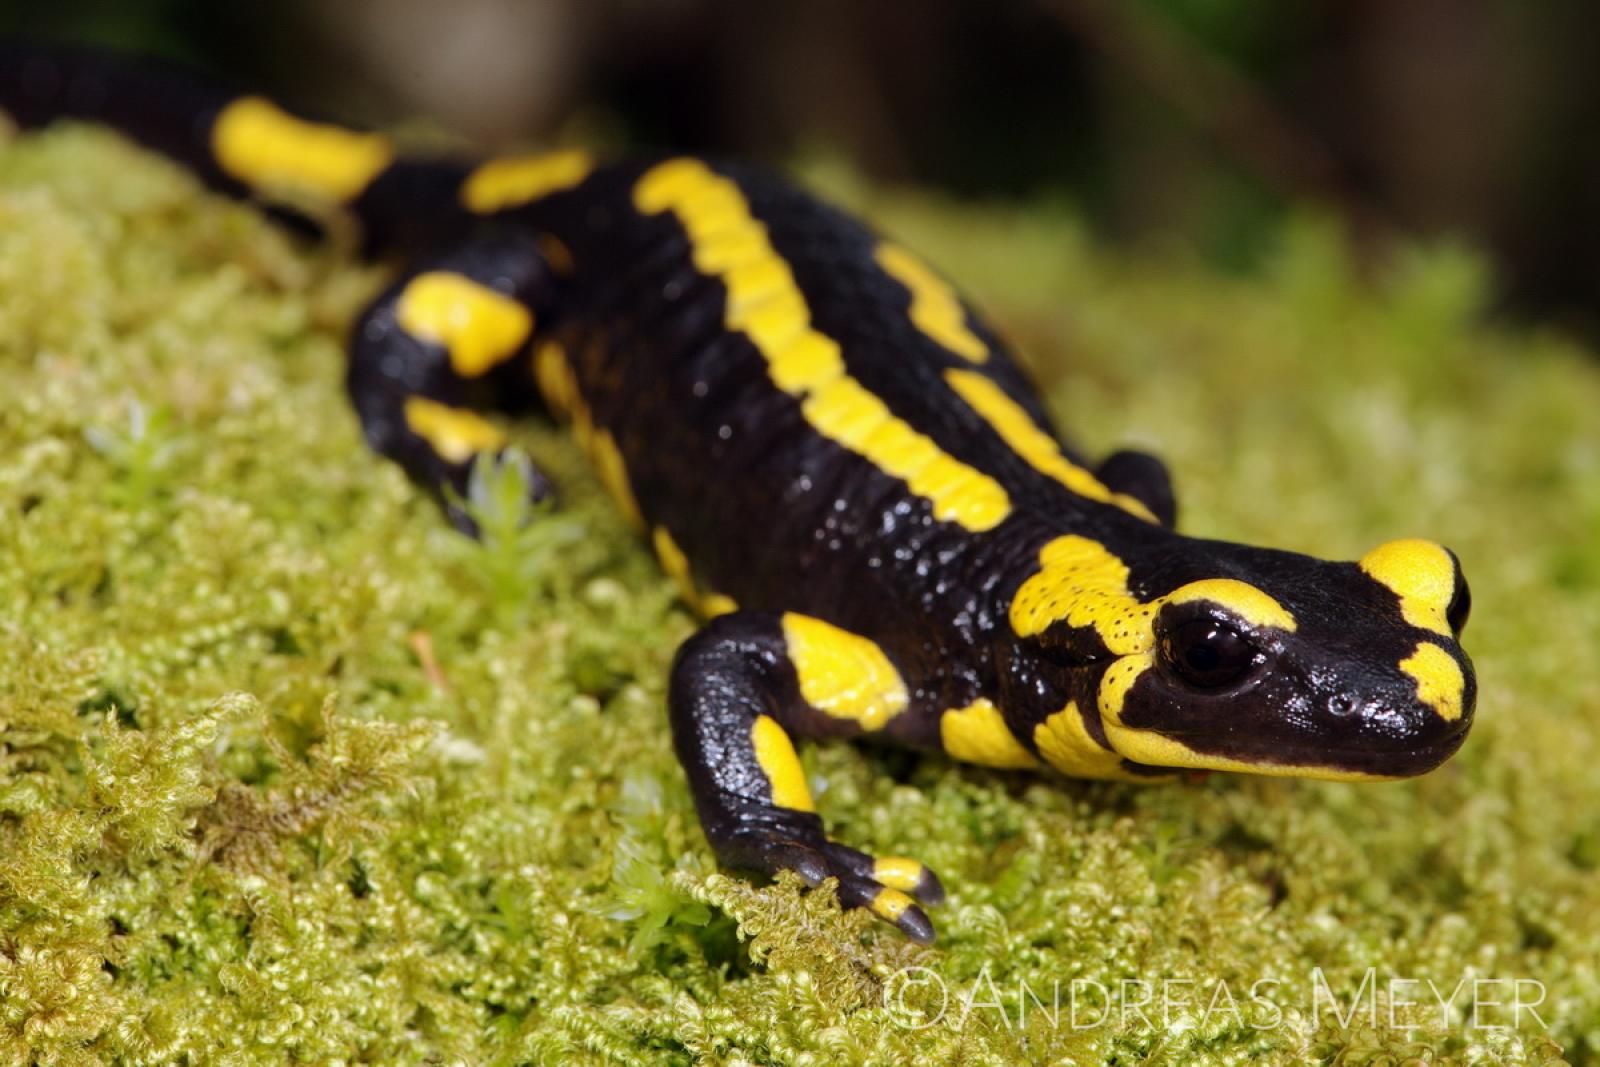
<point x="1197" y="121"/>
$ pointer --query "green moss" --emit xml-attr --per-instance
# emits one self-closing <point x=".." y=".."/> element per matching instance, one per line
<point x="445" y="823"/>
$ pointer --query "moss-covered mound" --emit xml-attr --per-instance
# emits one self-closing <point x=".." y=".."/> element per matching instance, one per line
<point x="289" y="771"/>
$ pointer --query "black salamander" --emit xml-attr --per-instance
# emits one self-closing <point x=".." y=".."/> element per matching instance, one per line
<point x="842" y="467"/>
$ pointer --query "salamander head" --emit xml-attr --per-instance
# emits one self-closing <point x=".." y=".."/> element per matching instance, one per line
<point x="1245" y="659"/>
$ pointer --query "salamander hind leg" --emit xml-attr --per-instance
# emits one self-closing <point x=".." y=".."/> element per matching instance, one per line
<point x="738" y="697"/>
<point x="446" y="342"/>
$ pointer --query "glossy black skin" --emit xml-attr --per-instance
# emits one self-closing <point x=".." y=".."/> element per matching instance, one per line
<point x="783" y="520"/>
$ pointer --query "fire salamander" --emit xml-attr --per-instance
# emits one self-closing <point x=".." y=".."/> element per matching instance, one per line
<point x="843" y="468"/>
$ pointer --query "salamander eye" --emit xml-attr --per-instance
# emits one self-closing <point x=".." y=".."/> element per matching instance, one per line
<point x="1207" y="654"/>
<point x="1460" y="605"/>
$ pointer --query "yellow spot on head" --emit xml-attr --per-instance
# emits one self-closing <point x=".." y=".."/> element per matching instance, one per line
<point x="978" y="734"/>
<point x="899" y="872"/>
<point x="1065" y="743"/>
<point x="775" y="753"/>
<point x="480" y="327"/>
<point x="1440" y="683"/>
<point x="454" y="433"/>
<point x="1082" y="583"/>
<point x="275" y="153"/>
<point x="842" y="674"/>
<point x="1243" y="599"/>
<point x="935" y="308"/>
<point x="1116" y="681"/>
<point x="1024" y="437"/>
<point x="1422" y="574"/>
<point x="765" y="304"/>
<point x="516" y="180"/>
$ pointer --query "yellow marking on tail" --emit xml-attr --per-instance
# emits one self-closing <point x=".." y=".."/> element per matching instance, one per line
<point x="1024" y="437"/>
<point x="765" y="303"/>
<point x="978" y="734"/>
<point x="480" y="327"/>
<point x="775" y="753"/>
<point x="454" y="433"/>
<point x="842" y="674"/>
<point x="271" y="151"/>
<point x="516" y="180"/>
<point x="935" y="308"/>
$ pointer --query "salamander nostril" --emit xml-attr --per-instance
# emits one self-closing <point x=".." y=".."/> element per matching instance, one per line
<point x="1343" y="706"/>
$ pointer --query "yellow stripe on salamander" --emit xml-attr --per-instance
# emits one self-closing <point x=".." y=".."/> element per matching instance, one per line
<point x="676" y="566"/>
<point x="1024" y="437"/>
<point x="765" y="303"/>
<point x="480" y="327"/>
<point x="273" y="152"/>
<point x="558" y="385"/>
<point x="775" y="753"/>
<point x="842" y="674"/>
<point x="513" y="181"/>
<point x="454" y="433"/>
<point x="935" y="308"/>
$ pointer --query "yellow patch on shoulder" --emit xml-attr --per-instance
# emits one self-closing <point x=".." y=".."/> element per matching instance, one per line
<point x="1243" y="599"/>
<point x="775" y="753"/>
<point x="516" y="180"/>
<point x="765" y="303"/>
<point x="454" y="433"/>
<point x="978" y="734"/>
<point x="1028" y="440"/>
<point x="842" y="674"/>
<point x="935" y="308"/>
<point x="1065" y="743"/>
<point x="1422" y="574"/>
<point x="273" y="152"/>
<point x="480" y="327"/>
<point x="1440" y="683"/>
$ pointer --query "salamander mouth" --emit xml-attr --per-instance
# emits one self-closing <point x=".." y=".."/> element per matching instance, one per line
<point x="1150" y="753"/>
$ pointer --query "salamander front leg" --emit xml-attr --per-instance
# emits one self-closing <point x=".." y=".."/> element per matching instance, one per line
<point x="736" y="703"/>
<point x="448" y="340"/>
<point x="1143" y="477"/>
